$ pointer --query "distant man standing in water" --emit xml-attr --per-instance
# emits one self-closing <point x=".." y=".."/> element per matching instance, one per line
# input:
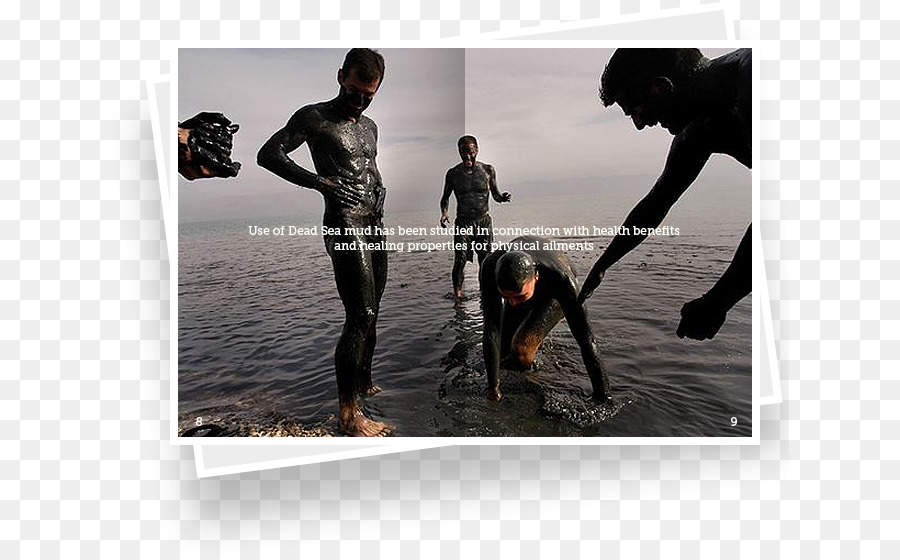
<point x="526" y="290"/>
<point x="707" y="105"/>
<point x="343" y="146"/>
<point x="471" y="181"/>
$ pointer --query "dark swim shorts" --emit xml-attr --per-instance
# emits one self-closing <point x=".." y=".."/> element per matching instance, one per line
<point x="482" y="232"/>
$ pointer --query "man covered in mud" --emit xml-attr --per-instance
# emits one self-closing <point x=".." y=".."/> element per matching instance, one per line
<point x="342" y="142"/>
<point x="707" y="105"/>
<point x="471" y="181"/>
<point x="525" y="290"/>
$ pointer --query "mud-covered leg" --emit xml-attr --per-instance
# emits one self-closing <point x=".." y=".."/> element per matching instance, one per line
<point x="459" y="267"/>
<point x="511" y="319"/>
<point x="355" y="279"/>
<point x="379" y="270"/>
<point x="531" y="333"/>
<point x="482" y="254"/>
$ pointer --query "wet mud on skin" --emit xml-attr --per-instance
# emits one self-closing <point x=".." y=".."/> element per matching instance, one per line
<point x="258" y="331"/>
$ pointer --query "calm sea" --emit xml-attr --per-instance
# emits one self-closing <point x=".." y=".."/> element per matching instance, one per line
<point x="259" y="318"/>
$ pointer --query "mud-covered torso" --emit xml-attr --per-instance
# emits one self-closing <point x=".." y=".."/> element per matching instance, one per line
<point x="346" y="150"/>
<point x="472" y="190"/>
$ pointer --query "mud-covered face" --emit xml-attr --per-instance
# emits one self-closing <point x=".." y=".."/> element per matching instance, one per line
<point x="514" y="298"/>
<point x="468" y="152"/>
<point x="356" y="95"/>
<point x="656" y="105"/>
<point x="645" y="111"/>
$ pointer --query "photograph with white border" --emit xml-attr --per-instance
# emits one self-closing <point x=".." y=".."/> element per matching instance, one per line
<point x="553" y="152"/>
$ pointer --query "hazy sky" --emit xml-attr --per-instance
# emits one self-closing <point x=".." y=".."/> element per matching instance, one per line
<point x="419" y="109"/>
<point x="535" y="112"/>
<point x="539" y="119"/>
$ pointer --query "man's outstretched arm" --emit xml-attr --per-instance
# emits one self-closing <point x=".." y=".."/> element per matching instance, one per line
<point x="703" y="317"/>
<point x="687" y="156"/>
<point x="491" y="308"/>
<point x="577" y="319"/>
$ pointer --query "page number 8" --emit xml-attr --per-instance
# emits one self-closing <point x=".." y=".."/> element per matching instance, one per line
<point x="734" y="421"/>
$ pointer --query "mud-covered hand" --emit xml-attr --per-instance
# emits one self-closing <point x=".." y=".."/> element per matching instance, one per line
<point x="504" y="197"/>
<point x="701" y="319"/>
<point x="445" y="220"/>
<point x="590" y="284"/>
<point x="340" y="190"/>
<point x="204" y="147"/>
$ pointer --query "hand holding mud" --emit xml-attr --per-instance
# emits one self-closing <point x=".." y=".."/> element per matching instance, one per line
<point x="204" y="147"/>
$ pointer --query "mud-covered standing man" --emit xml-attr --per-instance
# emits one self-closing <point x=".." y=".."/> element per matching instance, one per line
<point x="472" y="182"/>
<point x="342" y="142"/>
<point x="707" y="105"/>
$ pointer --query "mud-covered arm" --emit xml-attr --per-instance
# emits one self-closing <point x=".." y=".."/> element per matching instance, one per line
<point x="577" y="319"/>
<point x="445" y="200"/>
<point x="274" y="154"/>
<point x="495" y="191"/>
<point x="379" y="181"/>
<point x="736" y="282"/>
<point x="688" y="154"/>
<point x="492" y="309"/>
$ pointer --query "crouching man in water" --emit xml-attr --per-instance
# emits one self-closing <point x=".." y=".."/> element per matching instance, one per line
<point x="342" y="142"/>
<point x="524" y="294"/>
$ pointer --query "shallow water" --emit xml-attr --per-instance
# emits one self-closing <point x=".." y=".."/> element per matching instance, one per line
<point x="259" y="318"/>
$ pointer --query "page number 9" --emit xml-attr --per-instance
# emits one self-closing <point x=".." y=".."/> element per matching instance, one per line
<point x="734" y="421"/>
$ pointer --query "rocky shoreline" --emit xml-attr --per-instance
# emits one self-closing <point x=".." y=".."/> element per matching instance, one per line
<point x="216" y="427"/>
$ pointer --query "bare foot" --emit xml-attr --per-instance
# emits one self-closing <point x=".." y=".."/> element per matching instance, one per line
<point x="494" y="393"/>
<point x="371" y="391"/>
<point x="357" y="424"/>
